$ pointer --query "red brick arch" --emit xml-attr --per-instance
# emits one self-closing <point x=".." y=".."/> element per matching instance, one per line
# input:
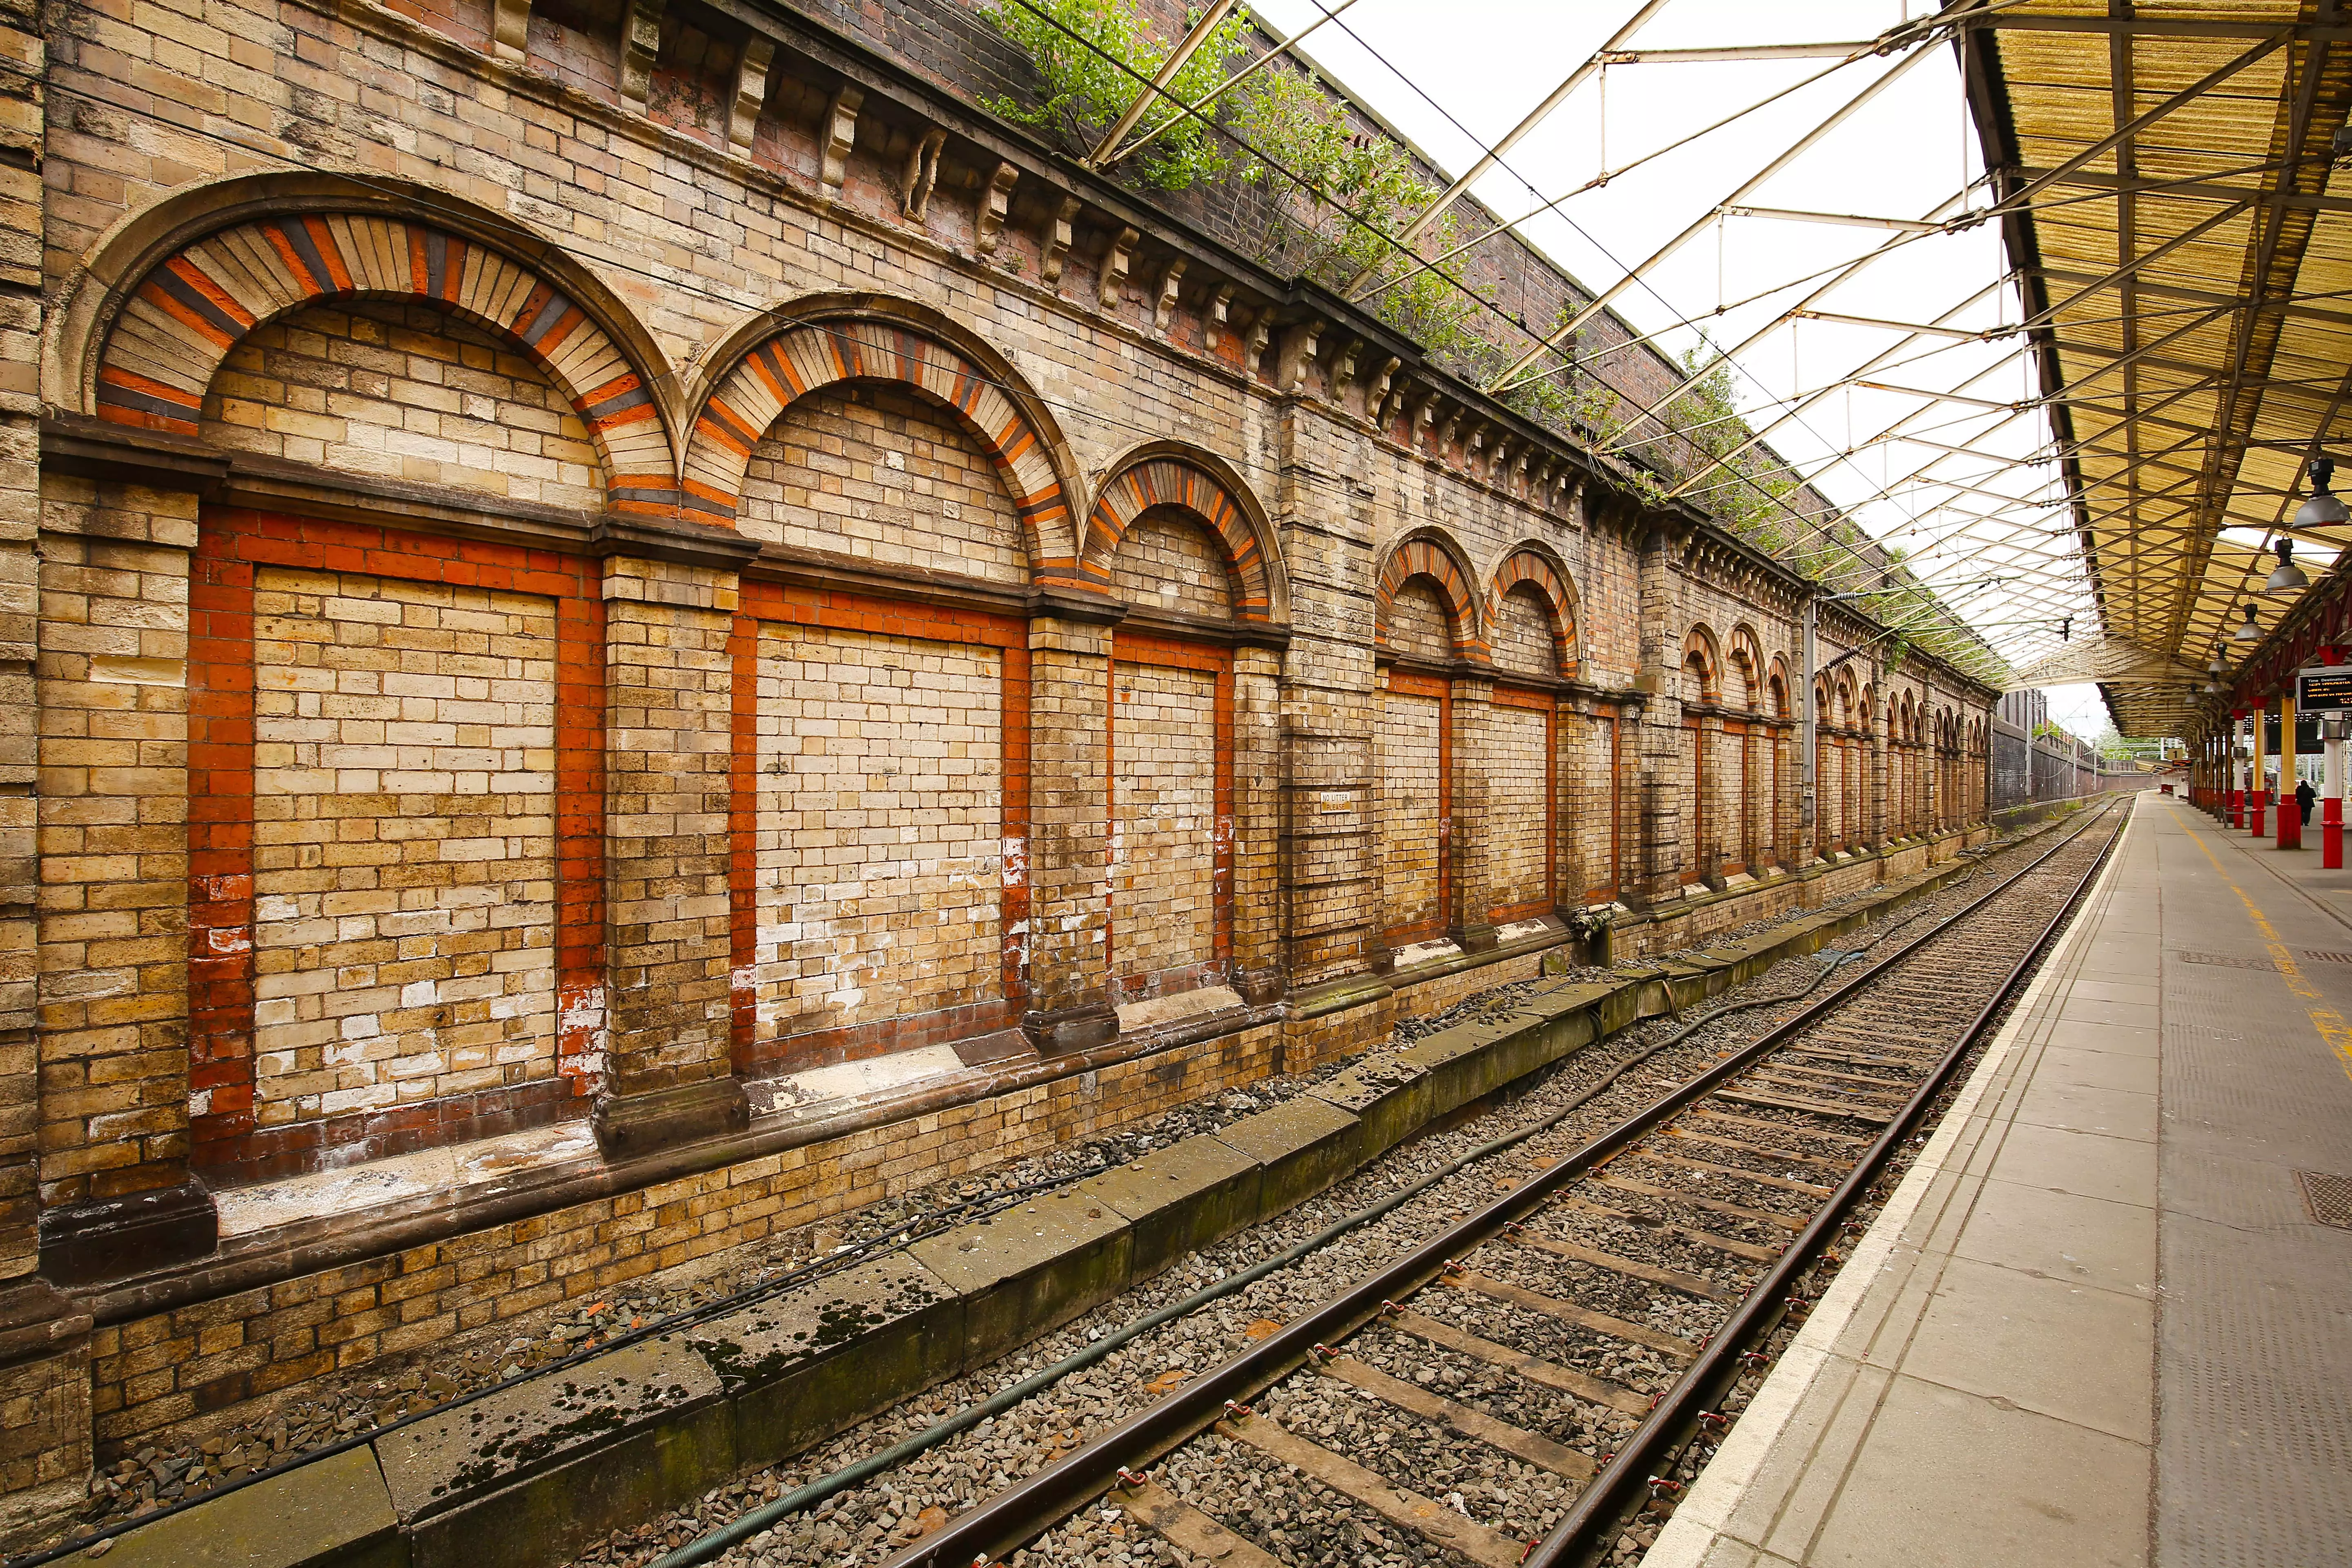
<point x="769" y="375"/>
<point x="1529" y="567"/>
<point x="1190" y="487"/>
<point x="1748" y="656"/>
<point x="1424" y="556"/>
<point x="1700" y="646"/>
<point x="188" y="311"/>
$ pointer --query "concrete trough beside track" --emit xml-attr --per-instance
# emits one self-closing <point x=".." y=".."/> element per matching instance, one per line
<point x="529" y="1474"/>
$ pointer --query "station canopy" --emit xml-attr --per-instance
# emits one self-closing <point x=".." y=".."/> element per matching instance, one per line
<point x="2185" y="253"/>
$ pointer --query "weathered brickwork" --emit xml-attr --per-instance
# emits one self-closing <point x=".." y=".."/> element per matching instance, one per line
<point x="410" y="394"/>
<point x="1168" y="564"/>
<point x="1412" y="811"/>
<point x="403" y="862"/>
<point x="879" y="868"/>
<point x="554" y="598"/>
<point x="879" y="475"/>
<point x="1520" y="809"/>
<point x="1166" y="776"/>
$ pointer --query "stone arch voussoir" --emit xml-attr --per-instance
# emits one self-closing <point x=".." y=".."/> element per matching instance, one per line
<point x="1168" y="473"/>
<point x="780" y="358"/>
<point x="1431" y="555"/>
<point x="176" y="320"/>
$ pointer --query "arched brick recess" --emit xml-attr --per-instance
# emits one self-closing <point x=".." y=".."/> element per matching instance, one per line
<point x="1526" y="567"/>
<point x="1424" y="556"/>
<point x="1748" y="657"/>
<point x="798" y="360"/>
<point x="1188" y="486"/>
<point x="1700" y="647"/>
<point x="183" y="316"/>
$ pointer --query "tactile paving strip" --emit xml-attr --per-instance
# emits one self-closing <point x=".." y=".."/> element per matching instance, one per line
<point x="2330" y="1198"/>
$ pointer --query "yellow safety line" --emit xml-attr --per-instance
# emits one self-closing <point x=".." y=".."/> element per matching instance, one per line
<point x="2333" y="1031"/>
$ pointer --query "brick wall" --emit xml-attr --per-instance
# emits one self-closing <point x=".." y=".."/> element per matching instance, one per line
<point x="1519" y="805"/>
<point x="1413" y="811"/>
<point x="876" y="474"/>
<point x="1164" y="779"/>
<point x="402" y="392"/>
<point x="404" y="861"/>
<point x="879" y="868"/>
<point x="1167" y="562"/>
<point x="1522" y="638"/>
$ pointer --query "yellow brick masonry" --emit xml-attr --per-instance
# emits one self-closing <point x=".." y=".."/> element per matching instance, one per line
<point x="669" y="685"/>
<point x="880" y="827"/>
<point x="402" y="392"/>
<point x="405" y="841"/>
<point x="873" y="473"/>
<point x="113" y="867"/>
<point x="1411" y="825"/>
<point x="1163" y="822"/>
<point x="1514" y="766"/>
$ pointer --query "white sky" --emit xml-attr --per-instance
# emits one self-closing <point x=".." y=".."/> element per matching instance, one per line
<point x="1487" y="62"/>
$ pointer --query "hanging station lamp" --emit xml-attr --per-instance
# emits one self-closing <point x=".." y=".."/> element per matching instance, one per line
<point x="2324" y="508"/>
<point x="2247" y="631"/>
<point x="2217" y="667"/>
<point x="2286" y="578"/>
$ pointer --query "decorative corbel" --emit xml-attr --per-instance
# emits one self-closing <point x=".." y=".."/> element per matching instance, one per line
<point x="1520" y="472"/>
<point x="750" y="93"/>
<point x="510" y="30"/>
<point x="1298" y="344"/>
<point x="1445" y="437"/>
<point x="1376" y="398"/>
<point x="1343" y="371"/>
<point x="1540" y="483"/>
<point x="640" y="42"/>
<point x="1115" y="261"/>
<point x="1220" y="304"/>
<point x="1054" y="244"/>
<point x="1164" y="294"/>
<point x="995" y="206"/>
<point x="837" y="135"/>
<point x="1261" y="332"/>
<point x="1499" y="459"/>
<point x="922" y="172"/>
<point x="1424" y="420"/>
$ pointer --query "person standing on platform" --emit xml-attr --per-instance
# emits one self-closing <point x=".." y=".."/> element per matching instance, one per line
<point x="2304" y="795"/>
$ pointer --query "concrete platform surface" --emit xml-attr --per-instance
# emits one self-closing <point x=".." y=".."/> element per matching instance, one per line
<point x="2100" y="1322"/>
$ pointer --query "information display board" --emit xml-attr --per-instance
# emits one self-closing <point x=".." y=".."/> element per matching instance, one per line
<point x="2327" y="689"/>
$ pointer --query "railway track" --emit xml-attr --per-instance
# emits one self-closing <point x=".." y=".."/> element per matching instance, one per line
<point x="1537" y="1383"/>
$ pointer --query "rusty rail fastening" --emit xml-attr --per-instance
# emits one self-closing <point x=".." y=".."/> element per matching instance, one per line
<point x="995" y="1527"/>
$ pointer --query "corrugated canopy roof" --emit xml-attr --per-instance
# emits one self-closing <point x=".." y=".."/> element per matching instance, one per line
<point x="2189" y="251"/>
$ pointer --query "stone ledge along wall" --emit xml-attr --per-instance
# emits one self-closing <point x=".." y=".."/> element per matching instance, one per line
<point x="556" y="572"/>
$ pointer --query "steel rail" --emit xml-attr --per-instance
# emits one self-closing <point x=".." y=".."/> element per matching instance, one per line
<point x="1600" y="1506"/>
<point x="1001" y="1523"/>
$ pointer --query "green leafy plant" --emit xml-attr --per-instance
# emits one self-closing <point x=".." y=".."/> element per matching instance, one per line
<point x="1337" y="193"/>
<point x="1738" y="480"/>
<point x="1086" y="93"/>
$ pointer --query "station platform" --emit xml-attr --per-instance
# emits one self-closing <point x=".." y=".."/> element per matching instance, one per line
<point x="2107" y="1316"/>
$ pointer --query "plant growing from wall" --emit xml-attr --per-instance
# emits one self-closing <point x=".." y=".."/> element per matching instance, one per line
<point x="1337" y="193"/>
<point x="1743" y="488"/>
<point x="1086" y="92"/>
